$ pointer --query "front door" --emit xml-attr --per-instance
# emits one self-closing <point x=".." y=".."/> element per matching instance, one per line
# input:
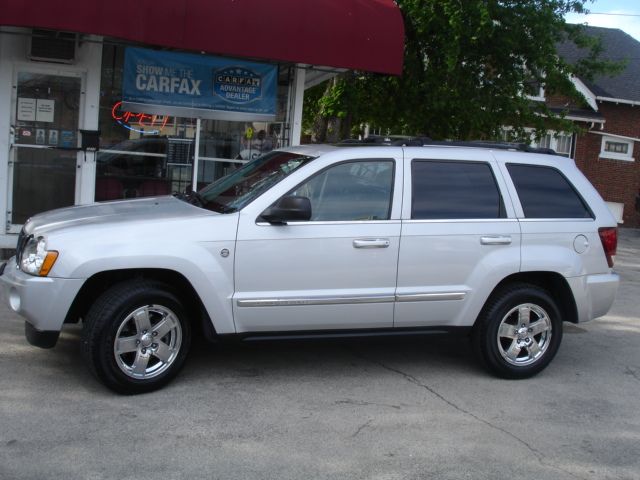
<point x="336" y="271"/>
<point x="44" y="161"/>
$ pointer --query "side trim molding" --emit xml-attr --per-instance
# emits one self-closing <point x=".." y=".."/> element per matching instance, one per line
<point x="430" y="297"/>
<point x="295" y="302"/>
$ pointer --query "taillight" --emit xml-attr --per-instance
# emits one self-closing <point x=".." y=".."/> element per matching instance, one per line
<point x="609" y="239"/>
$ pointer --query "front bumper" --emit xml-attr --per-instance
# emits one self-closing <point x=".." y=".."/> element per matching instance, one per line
<point x="43" y="301"/>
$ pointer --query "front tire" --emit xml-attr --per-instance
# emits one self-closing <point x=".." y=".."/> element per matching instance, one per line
<point x="136" y="336"/>
<point x="518" y="332"/>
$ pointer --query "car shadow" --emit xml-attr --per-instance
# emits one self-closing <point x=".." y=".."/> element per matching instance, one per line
<point x="329" y="356"/>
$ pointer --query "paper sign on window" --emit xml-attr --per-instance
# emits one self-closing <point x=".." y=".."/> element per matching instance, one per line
<point x="45" y="110"/>
<point x="26" y="109"/>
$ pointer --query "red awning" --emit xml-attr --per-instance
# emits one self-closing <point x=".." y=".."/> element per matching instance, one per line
<point x="352" y="34"/>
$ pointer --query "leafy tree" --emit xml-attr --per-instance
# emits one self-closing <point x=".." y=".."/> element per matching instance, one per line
<point x="467" y="67"/>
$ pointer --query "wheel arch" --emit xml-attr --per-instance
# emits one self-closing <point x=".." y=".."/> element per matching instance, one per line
<point x="552" y="282"/>
<point x="100" y="282"/>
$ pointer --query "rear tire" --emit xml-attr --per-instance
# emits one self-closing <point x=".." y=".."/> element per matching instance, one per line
<point x="136" y="336"/>
<point x="518" y="331"/>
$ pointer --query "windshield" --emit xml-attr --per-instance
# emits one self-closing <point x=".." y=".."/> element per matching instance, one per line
<point x="237" y="189"/>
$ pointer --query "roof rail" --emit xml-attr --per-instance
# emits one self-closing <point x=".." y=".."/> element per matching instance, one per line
<point x="521" y="147"/>
<point x="426" y="141"/>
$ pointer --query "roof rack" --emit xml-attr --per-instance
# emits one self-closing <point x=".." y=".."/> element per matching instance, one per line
<point x="426" y="141"/>
<point x="521" y="147"/>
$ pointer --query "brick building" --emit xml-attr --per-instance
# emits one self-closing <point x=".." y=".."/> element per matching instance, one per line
<point x="608" y="149"/>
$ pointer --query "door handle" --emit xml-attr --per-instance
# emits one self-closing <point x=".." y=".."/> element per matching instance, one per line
<point x="497" y="240"/>
<point x="371" y="243"/>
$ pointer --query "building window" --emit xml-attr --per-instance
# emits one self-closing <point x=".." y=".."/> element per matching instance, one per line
<point x="545" y="142"/>
<point x="617" y="149"/>
<point x="563" y="145"/>
<point x="534" y="87"/>
<point x="560" y="142"/>
<point x="535" y="92"/>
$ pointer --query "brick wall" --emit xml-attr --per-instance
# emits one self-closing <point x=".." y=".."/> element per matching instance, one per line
<point x="616" y="180"/>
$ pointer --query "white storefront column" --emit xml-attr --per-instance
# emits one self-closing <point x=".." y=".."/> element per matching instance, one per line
<point x="90" y="59"/>
<point x="13" y="45"/>
<point x="196" y="157"/>
<point x="296" y="99"/>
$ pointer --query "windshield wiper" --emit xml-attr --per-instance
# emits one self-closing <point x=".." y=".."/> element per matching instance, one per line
<point x="220" y="207"/>
<point x="194" y="198"/>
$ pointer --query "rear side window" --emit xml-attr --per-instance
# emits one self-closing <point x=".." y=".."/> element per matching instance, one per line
<point x="545" y="193"/>
<point x="453" y="190"/>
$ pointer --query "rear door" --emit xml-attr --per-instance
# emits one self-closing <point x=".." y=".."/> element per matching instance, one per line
<point x="459" y="238"/>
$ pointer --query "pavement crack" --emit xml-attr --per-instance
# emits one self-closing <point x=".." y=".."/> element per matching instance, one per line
<point x="362" y="427"/>
<point x="410" y="378"/>
<point x="361" y="403"/>
<point x="631" y="372"/>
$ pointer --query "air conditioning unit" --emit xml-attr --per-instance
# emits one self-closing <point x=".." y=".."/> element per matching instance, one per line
<point x="57" y="47"/>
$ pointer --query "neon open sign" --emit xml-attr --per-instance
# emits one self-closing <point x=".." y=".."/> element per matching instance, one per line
<point x="139" y="121"/>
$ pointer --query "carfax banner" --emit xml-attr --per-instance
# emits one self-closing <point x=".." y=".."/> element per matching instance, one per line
<point x="184" y="84"/>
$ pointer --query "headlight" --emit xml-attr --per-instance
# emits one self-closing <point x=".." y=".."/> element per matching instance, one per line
<point x="35" y="259"/>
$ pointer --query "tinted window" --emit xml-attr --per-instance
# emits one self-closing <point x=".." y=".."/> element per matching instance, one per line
<point x="443" y="190"/>
<point x="545" y="193"/>
<point x="359" y="190"/>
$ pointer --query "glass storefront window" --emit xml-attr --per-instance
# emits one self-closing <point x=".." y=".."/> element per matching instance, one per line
<point x="147" y="155"/>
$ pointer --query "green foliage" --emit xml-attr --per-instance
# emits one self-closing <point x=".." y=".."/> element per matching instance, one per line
<point x="467" y="64"/>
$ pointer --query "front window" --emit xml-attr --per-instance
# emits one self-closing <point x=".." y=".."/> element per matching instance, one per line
<point x="350" y="191"/>
<point x="561" y="143"/>
<point x="617" y="148"/>
<point x="237" y="189"/>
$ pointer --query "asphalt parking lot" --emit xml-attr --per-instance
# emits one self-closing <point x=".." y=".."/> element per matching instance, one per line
<point x="411" y="409"/>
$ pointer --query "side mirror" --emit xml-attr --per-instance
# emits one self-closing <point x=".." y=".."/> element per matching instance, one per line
<point x="286" y="209"/>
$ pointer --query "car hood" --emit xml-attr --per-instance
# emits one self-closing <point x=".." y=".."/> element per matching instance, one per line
<point x="122" y="211"/>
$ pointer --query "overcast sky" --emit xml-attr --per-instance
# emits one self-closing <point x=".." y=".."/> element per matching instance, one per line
<point x="620" y="15"/>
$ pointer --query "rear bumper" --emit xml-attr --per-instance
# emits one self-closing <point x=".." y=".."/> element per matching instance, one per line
<point x="43" y="301"/>
<point x="594" y="294"/>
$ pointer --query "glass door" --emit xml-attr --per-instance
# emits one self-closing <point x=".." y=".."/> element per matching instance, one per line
<point x="44" y="154"/>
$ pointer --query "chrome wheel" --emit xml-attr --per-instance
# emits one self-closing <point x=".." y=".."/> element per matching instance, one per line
<point x="147" y="341"/>
<point x="524" y="334"/>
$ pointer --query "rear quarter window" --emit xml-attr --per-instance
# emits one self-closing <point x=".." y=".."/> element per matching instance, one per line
<point x="545" y="192"/>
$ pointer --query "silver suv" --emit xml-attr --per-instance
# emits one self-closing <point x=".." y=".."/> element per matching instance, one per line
<point x="503" y="244"/>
